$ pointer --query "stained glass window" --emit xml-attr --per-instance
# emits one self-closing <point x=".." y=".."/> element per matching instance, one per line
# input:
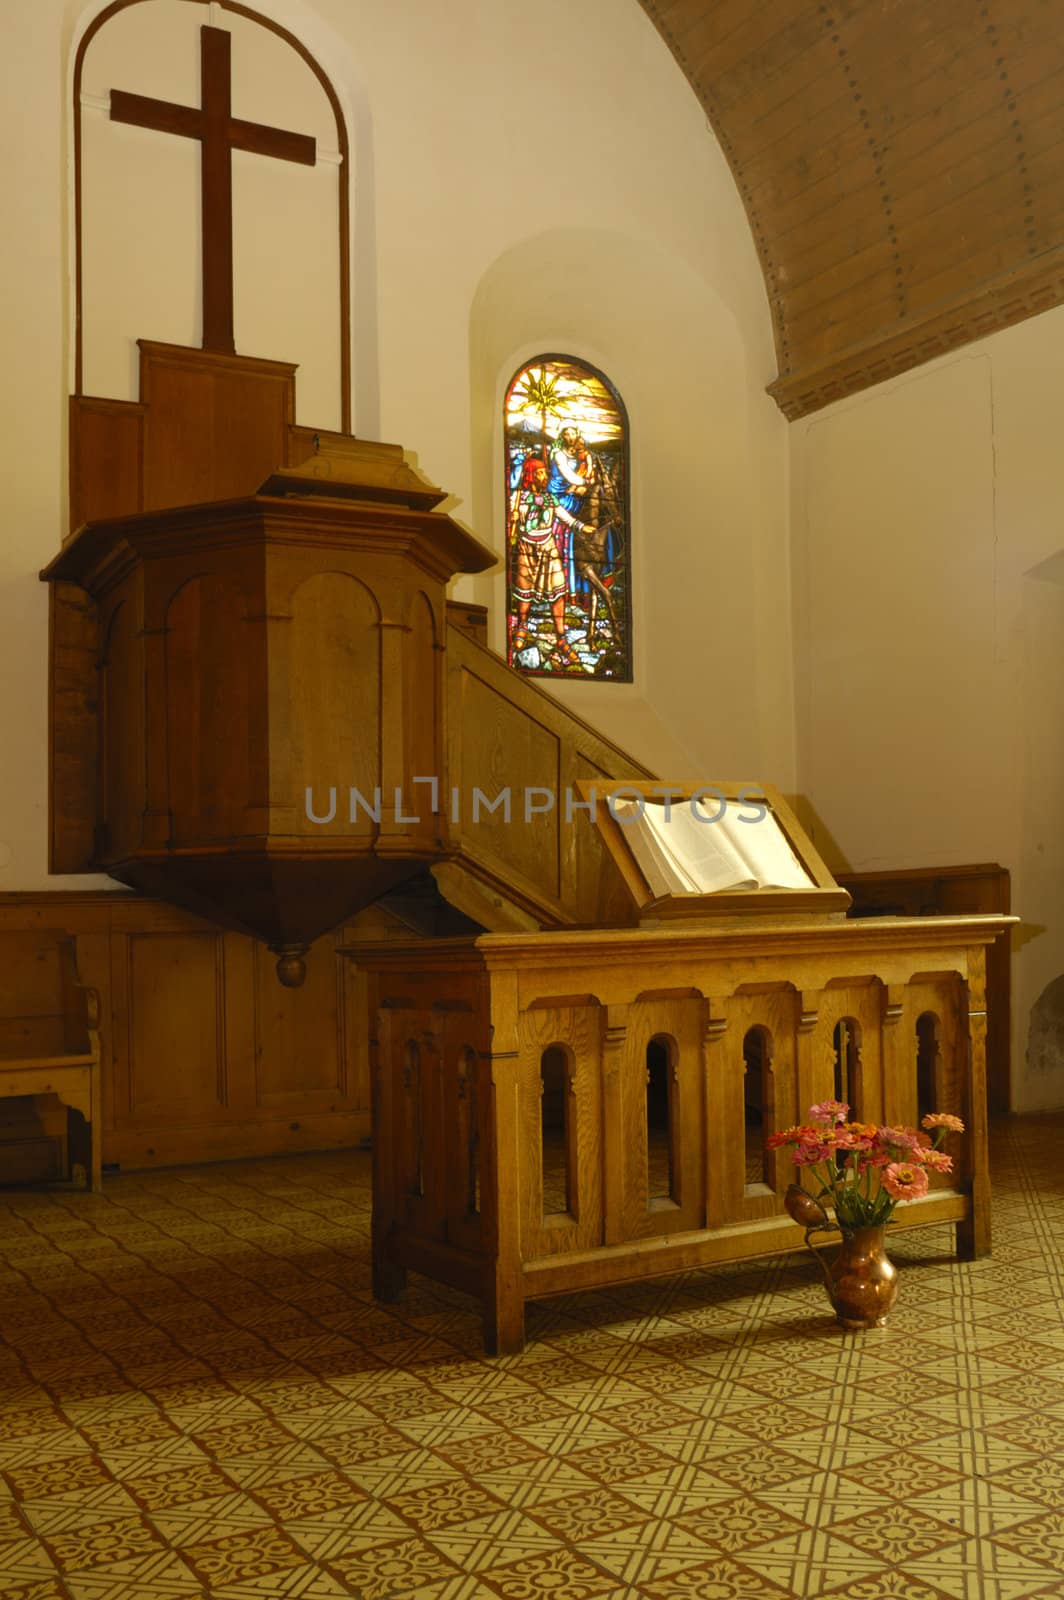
<point x="568" y="598"/>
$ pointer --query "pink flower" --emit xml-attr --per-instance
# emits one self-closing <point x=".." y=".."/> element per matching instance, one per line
<point x="850" y="1139"/>
<point x="937" y="1160"/>
<point x="829" y="1111"/>
<point x="900" y="1138"/>
<point x="808" y="1154"/>
<point x="904" y="1180"/>
<point x="942" y="1119"/>
<point x="776" y="1141"/>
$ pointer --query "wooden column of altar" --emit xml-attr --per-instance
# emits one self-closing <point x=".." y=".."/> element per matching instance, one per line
<point x="475" y="1185"/>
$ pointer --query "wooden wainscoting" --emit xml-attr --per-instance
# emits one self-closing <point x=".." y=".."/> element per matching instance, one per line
<point x="205" y="1055"/>
<point x="948" y="891"/>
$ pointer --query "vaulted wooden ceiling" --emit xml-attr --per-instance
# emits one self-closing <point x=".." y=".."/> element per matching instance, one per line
<point x="902" y="167"/>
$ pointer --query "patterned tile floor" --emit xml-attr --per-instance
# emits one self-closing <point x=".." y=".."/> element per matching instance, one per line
<point x="198" y="1396"/>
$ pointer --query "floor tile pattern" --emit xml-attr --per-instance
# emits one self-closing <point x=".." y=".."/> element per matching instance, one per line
<point x="199" y="1397"/>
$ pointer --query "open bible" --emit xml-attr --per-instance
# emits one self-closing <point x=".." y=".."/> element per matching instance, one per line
<point x="694" y="848"/>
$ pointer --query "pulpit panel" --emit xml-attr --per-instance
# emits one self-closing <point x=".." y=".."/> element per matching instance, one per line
<point x="325" y="742"/>
<point x="422" y="700"/>
<point x="208" y="710"/>
<point x="122" y="796"/>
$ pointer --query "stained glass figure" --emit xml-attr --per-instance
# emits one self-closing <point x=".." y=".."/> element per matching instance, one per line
<point x="568" y="597"/>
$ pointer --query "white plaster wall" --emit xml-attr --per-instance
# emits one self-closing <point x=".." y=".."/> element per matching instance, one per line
<point x="141" y="226"/>
<point x="473" y="134"/>
<point x="929" y="645"/>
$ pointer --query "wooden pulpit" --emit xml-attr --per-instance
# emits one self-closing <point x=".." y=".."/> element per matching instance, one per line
<point x="262" y="660"/>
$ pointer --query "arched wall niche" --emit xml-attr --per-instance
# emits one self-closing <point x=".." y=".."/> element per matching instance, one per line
<point x="662" y="333"/>
<point x="136" y="205"/>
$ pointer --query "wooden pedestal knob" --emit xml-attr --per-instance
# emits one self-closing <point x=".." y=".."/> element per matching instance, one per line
<point x="291" y="967"/>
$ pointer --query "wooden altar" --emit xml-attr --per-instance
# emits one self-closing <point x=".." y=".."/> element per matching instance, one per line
<point x="566" y="1110"/>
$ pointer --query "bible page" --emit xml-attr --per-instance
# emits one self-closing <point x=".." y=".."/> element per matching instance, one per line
<point x="664" y="875"/>
<point x="764" y="849"/>
<point x="701" y="851"/>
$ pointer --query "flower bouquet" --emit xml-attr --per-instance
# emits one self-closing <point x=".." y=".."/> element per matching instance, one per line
<point x="861" y="1172"/>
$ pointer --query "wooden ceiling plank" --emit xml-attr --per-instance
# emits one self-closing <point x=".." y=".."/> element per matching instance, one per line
<point x="825" y="207"/>
<point x="1021" y="32"/>
<point x="921" y="259"/>
<point x="856" y="227"/>
<point x="932" y="204"/>
<point x="827" y="157"/>
<point x="668" y="15"/>
<point x="946" y="245"/>
<point x="867" y="38"/>
<point x="731" y="24"/>
<point x="802" y="213"/>
<point x="787" y="126"/>
<point x="819" y="337"/>
<point x="759" y="55"/>
<point x="827" y="108"/>
<point x="694" y="28"/>
<point x="1045" y="167"/>
<point x="836" y="283"/>
<point x="934" y="289"/>
<point x="924" y="93"/>
<point x="938" y="277"/>
<point x="809" y="169"/>
<point x="815" y="78"/>
<point x="786" y="26"/>
<point x="885" y="88"/>
<point x="916" y="95"/>
<point x="935" y="146"/>
<point x="950" y="195"/>
<point x="980" y="105"/>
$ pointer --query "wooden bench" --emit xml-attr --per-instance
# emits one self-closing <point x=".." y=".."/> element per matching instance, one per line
<point x="49" y="1029"/>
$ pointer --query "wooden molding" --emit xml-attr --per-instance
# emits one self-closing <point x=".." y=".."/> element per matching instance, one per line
<point x="1011" y="299"/>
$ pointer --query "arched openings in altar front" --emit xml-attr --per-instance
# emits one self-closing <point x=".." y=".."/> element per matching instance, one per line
<point x="758" y="1108"/>
<point x="663" y="1083"/>
<point x="928" y="1057"/>
<point x="557" y="1132"/>
<point x="566" y="475"/>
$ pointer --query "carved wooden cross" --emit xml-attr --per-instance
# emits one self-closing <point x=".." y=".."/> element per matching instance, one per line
<point x="219" y="133"/>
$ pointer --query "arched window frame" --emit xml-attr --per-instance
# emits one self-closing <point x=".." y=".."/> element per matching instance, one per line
<point x="542" y="653"/>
